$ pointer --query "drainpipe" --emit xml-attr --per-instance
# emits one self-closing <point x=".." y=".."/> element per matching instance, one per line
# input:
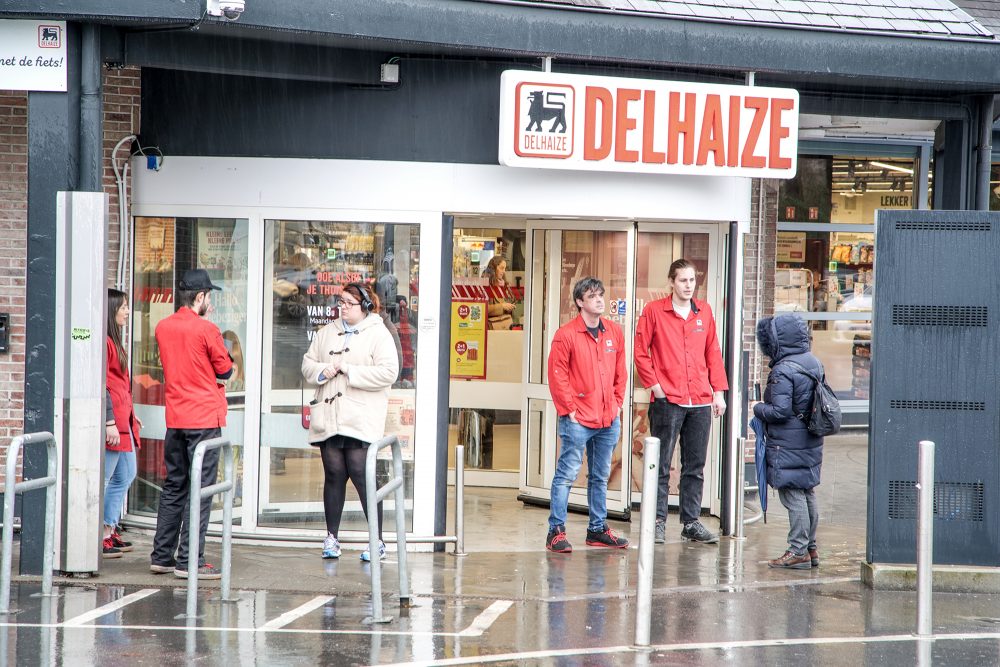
<point x="985" y="150"/>
<point x="91" y="141"/>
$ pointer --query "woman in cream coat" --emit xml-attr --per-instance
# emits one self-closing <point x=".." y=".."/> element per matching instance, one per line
<point x="354" y="362"/>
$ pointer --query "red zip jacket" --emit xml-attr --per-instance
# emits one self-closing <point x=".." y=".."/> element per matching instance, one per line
<point x="119" y="387"/>
<point x="192" y="354"/>
<point x="683" y="356"/>
<point x="587" y="376"/>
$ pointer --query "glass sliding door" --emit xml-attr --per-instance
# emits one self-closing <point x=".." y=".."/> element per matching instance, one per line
<point x="307" y="265"/>
<point x="164" y="249"/>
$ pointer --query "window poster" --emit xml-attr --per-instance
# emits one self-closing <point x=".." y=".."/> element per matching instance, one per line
<point x="223" y="250"/>
<point x="468" y="338"/>
<point x="401" y="421"/>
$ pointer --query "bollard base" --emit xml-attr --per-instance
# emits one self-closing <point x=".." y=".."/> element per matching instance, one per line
<point x="370" y="620"/>
<point x="459" y="554"/>
<point x="224" y="600"/>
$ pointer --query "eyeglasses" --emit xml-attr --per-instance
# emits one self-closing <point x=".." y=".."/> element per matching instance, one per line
<point x="344" y="303"/>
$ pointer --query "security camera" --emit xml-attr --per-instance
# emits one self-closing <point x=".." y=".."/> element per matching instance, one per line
<point x="230" y="9"/>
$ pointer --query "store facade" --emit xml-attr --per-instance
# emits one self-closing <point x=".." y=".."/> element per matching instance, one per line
<point x="291" y="164"/>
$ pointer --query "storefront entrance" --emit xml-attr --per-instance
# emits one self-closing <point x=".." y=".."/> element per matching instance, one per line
<point x="632" y="259"/>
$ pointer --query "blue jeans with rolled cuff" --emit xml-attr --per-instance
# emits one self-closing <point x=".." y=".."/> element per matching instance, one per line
<point x="599" y="444"/>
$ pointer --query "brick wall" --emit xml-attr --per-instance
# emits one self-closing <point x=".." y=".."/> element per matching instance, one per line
<point x="121" y="118"/>
<point x="13" y="254"/>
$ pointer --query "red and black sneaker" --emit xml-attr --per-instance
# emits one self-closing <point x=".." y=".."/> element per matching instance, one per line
<point x="557" y="542"/>
<point x="119" y="543"/>
<point x="109" y="550"/>
<point x="605" y="538"/>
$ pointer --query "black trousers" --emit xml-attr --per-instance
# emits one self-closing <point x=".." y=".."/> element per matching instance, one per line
<point x="172" y="514"/>
<point x="666" y="422"/>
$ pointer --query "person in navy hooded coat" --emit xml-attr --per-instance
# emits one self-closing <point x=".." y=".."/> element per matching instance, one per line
<point x="794" y="455"/>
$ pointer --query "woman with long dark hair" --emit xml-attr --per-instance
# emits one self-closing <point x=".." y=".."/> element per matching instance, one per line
<point x="121" y="427"/>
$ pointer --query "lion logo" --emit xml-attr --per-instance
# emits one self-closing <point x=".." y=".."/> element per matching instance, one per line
<point x="546" y="106"/>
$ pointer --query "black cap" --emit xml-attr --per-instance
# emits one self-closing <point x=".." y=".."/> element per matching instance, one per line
<point x="196" y="280"/>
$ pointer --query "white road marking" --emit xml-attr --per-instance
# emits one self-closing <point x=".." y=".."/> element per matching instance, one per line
<point x="219" y="629"/>
<point x="297" y="613"/>
<point x="94" y="614"/>
<point x="483" y="622"/>
<point x="699" y="646"/>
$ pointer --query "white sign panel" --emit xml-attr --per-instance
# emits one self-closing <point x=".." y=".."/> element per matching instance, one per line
<point x="570" y="121"/>
<point x="33" y="55"/>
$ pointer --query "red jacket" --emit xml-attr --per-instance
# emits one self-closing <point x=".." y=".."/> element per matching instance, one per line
<point x="192" y="354"/>
<point x="683" y="356"/>
<point x="120" y="389"/>
<point x="587" y="376"/>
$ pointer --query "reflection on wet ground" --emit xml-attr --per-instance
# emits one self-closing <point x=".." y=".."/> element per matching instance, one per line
<point x="511" y="602"/>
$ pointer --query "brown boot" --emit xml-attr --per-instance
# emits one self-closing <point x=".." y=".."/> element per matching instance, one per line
<point x="791" y="561"/>
<point x="814" y="557"/>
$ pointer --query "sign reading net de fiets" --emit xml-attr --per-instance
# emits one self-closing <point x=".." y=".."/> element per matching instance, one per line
<point x="33" y="55"/>
<point x="570" y="121"/>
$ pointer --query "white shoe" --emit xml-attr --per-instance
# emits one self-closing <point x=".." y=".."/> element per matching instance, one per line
<point x="366" y="554"/>
<point x="331" y="547"/>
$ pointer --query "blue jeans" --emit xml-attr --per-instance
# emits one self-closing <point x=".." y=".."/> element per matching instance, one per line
<point x="599" y="444"/>
<point x="119" y="471"/>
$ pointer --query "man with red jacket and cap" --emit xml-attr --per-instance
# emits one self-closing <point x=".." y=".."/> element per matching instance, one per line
<point x="194" y="359"/>
<point x="679" y="360"/>
<point x="587" y="382"/>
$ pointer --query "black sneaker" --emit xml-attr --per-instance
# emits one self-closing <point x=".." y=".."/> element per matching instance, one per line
<point x="109" y="550"/>
<point x="695" y="532"/>
<point x="206" y="571"/>
<point x="119" y="543"/>
<point x="605" y="538"/>
<point x="557" y="542"/>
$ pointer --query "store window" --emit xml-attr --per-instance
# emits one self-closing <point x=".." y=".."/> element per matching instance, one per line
<point x="164" y="249"/>
<point x="307" y="265"/>
<point x="825" y="254"/>
<point x="488" y="270"/>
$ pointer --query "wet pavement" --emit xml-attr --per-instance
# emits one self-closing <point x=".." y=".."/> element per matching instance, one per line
<point x="510" y="602"/>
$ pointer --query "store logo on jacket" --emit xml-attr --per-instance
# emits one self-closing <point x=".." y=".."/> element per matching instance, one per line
<point x="543" y="116"/>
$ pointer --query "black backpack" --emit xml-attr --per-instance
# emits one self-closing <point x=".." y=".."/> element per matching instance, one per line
<point x="824" y="416"/>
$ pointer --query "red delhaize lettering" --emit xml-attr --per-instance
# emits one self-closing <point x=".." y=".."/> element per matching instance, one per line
<point x="647" y="126"/>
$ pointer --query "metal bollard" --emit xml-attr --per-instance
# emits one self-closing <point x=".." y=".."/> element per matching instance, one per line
<point x="647" y="531"/>
<point x="739" y="533"/>
<point x="459" y="500"/>
<point x="375" y="496"/>
<point x="195" y="495"/>
<point x="11" y="489"/>
<point x="925" y="538"/>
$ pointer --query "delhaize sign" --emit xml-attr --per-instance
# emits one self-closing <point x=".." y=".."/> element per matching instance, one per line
<point x="33" y="55"/>
<point x="569" y="121"/>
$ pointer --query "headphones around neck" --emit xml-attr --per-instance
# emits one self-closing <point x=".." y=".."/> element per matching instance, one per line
<point x="367" y="304"/>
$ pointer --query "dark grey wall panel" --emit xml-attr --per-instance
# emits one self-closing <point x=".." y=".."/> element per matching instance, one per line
<point x="441" y="112"/>
<point x="936" y="345"/>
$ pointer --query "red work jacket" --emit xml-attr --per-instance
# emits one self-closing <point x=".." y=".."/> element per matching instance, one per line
<point x="587" y="376"/>
<point x="192" y="354"/>
<point x="682" y="356"/>
<point x="120" y="389"/>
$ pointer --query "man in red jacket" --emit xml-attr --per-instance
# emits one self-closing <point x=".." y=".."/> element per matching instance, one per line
<point x="194" y="359"/>
<point x="587" y="382"/>
<point x="679" y="360"/>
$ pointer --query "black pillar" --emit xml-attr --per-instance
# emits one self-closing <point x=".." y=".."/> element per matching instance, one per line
<point x="954" y="162"/>
<point x="53" y="160"/>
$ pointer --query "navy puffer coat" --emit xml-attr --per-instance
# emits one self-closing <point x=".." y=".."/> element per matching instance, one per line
<point x="794" y="455"/>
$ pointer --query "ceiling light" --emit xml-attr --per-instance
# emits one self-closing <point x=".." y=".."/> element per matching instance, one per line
<point x="893" y="167"/>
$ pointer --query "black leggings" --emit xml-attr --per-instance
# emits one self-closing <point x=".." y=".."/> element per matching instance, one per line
<point x="344" y="458"/>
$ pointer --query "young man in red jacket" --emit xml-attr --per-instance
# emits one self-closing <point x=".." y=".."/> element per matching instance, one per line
<point x="679" y="360"/>
<point x="194" y="359"/>
<point x="587" y="382"/>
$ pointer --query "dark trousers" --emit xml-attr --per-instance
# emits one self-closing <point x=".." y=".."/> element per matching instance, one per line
<point x="667" y="421"/>
<point x="172" y="514"/>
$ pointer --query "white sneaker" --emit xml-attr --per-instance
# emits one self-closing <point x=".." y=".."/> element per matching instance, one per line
<point x="331" y="547"/>
<point x="366" y="554"/>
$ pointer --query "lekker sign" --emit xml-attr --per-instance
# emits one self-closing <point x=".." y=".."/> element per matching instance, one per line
<point x="595" y="123"/>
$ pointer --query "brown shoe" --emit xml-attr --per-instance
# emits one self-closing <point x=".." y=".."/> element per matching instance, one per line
<point x="791" y="561"/>
<point x="814" y="557"/>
